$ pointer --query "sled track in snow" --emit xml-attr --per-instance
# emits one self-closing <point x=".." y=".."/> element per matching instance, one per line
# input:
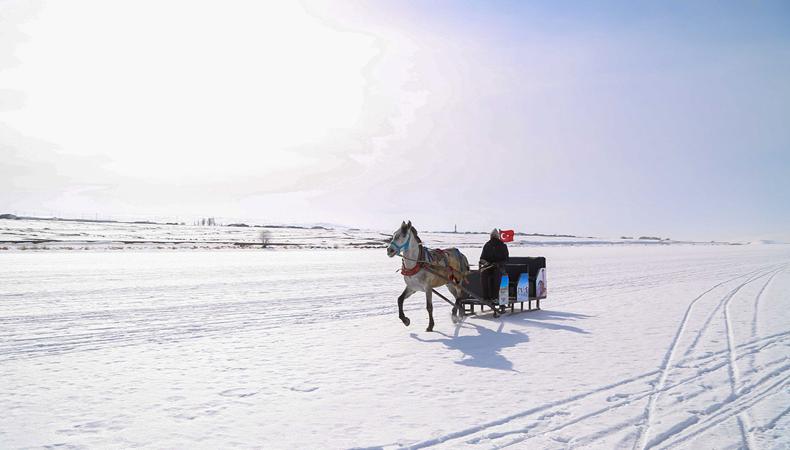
<point x="724" y="300"/>
<point x="666" y="366"/>
<point x="744" y="421"/>
<point x="556" y="416"/>
<point x="734" y="377"/>
<point x="67" y="332"/>
<point x="563" y="409"/>
<point x="731" y="407"/>
<point x="616" y="400"/>
<point x="755" y="312"/>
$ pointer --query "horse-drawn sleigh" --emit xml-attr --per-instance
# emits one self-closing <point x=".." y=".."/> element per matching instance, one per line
<point x="426" y="269"/>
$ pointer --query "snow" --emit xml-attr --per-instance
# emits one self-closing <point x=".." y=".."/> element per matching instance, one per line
<point x="86" y="235"/>
<point x="637" y="346"/>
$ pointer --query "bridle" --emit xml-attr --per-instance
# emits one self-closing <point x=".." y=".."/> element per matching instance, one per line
<point x="402" y="247"/>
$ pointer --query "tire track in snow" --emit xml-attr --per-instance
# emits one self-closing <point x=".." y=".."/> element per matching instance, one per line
<point x="637" y="284"/>
<point x="756" y="312"/>
<point x="525" y="413"/>
<point x="760" y="343"/>
<point x="711" y="316"/>
<point x="690" y="421"/>
<point x="554" y="409"/>
<point x="726" y="410"/>
<point x="586" y="440"/>
<point x="744" y="423"/>
<point x="732" y="367"/>
<point x="772" y="423"/>
<point x="650" y="392"/>
<point x="644" y="430"/>
<point x="744" y="419"/>
<point x="620" y="426"/>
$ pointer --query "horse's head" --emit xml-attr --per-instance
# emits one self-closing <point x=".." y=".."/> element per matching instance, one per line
<point x="401" y="240"/>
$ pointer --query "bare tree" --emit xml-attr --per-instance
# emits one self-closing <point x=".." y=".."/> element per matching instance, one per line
<point x="265" y="236"/>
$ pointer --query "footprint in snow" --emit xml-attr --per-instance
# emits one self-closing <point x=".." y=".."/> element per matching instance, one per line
<point x="303" y="388"/>
<point x="615" y="397"/>
<point x="238" y="392"/>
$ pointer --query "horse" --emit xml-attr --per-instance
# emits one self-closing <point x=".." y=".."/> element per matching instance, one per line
<point x="424" y="269"/>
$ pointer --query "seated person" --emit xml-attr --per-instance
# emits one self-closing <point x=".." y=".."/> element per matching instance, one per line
<point x="492" y="263"/>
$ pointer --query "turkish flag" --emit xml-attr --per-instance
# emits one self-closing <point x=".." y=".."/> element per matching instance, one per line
<point x="507" y="235"/>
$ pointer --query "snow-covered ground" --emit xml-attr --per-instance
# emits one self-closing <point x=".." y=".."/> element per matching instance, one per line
<point x="76" y="235"/>
<point x="636" y="347"/>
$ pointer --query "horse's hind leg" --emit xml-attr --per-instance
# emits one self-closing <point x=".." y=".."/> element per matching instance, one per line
<point x="429" y="307"/>
<point x="457" y="294"/>
<point x="406" y="294"/>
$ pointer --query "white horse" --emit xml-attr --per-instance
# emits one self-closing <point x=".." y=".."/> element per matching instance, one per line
<point x="424" y="269"/>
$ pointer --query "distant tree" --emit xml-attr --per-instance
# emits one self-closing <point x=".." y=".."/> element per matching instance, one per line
<point x="265" y="236"/>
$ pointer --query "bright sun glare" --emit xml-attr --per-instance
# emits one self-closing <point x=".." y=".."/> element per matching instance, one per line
<point x="189" y="90"/>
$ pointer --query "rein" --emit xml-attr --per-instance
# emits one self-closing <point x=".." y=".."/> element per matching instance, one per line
<point x="421" y="263"/>
<point x="430" y="263"/>
<point x="427" y="265"/>
<point x="415" y="260"/>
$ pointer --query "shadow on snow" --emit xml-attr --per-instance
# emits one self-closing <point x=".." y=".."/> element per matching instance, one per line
<point x="485" y="348"/>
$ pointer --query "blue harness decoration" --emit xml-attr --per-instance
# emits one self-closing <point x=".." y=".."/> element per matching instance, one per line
<point x="402" y="247"/>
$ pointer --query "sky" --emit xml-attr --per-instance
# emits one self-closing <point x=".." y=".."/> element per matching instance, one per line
<point x="592" y="118"/>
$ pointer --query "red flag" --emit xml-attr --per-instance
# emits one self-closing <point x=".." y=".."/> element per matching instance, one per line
<point x="507" y="235"/>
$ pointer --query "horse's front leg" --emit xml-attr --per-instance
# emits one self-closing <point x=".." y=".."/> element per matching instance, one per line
<point x="429" y="307"/>
<point x="406" y="293"/>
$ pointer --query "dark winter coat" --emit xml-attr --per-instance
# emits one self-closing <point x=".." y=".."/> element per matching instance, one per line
<point x="495" y="252"/>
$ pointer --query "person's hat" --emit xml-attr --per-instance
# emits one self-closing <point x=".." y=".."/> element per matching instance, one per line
<point x="495" y="234"/>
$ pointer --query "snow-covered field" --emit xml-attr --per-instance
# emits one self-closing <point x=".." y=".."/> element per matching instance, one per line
<point x="77" y="235"/>
<point x="636" y="347"/>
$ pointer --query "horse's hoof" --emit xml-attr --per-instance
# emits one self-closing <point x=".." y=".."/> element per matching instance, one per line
<point x="405" y="321"/>
<point x="429" y="329"/>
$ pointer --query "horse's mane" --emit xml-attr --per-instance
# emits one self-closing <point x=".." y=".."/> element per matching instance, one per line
<point x="416" y="236"/>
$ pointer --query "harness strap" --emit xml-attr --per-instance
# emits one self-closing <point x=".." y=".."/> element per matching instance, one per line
<point x="425" y="260"/>
<point x="414" y="270"/>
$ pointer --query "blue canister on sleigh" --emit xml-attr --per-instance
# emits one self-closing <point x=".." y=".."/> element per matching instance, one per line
<point x="504" y="295"/>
